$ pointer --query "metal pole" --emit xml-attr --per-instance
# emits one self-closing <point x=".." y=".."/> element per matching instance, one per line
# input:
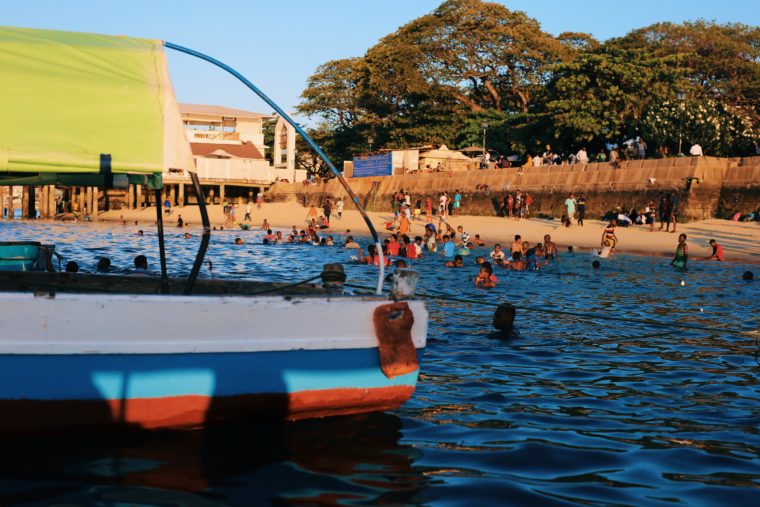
<point x="204" y="239"/>
<point x="305" y="137"/>
<point x="161" y="249"/>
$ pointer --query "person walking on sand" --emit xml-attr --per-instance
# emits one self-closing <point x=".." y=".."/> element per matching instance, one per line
<point x="609" y="238"/>
<point x="682" y="253"/>
<point x="570" y="203"/>
<point x="248" y="211"/>
<point x="339" y="208"/>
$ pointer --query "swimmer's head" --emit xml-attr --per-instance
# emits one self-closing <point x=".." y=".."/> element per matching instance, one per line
<point x="748" y="275"/>
<point x="596" y="264"/>
<point x="238" y="241"/>
<point x="400" y="263"/>
<point x="480" y="259"/>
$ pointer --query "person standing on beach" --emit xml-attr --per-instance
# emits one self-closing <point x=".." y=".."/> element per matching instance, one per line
<point x="682" y="253"/>
<point x="581" y="208"/>
<point x="327" y="208"/>
<point x="674" y="210"/>
<point x="570" y="206"/>
<point x="668" y="211"/>
<point x="417" y="208"/>
<point x="528" y="202"/>
<point x="510" y="204"/>
<point x="339" y="207"/>
<point x="428" y="209"/>
<point x="457" y="202"/>
<point x="661" y="210"/>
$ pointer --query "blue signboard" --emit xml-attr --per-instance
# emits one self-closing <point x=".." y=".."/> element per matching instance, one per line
<point x="373" y="165"/>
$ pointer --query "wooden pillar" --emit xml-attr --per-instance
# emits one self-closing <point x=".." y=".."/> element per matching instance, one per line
<point x="87" y="191"/>
<point x="95" y="196"/>
<point x="25" y="202"/>
<point x="138" y="197"/>
<point x="131" y="197"/>
<point x="81" y="197"/>
<point x="10" y="203"/>
<point x="2" y="202"/>
<point x="42" y="194"/>
<point x="211" y="196"/>
<point x="173" y="195"/>
<point x="181" y="195"/>
<point x="51" y="201"/>
<point x="221" y="194"/>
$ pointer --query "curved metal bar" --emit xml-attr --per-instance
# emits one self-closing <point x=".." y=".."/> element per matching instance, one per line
<point x="204" y="239"/>
<point x="161" y="247"/>
<point x="306" y="138"/>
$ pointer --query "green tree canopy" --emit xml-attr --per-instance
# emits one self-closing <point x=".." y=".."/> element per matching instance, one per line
<point x="436" y="79"/>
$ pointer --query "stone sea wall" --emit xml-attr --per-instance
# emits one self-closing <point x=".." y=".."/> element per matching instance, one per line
<point x="707" y="186"/>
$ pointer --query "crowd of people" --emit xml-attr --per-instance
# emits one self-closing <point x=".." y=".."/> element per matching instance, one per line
<point x="612" y="152"/>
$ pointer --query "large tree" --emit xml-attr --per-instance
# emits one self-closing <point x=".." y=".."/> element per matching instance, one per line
<point x="602" y="94"/>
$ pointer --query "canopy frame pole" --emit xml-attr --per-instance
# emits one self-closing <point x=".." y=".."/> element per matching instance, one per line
<point x="205" y="238"/>
<point x="161" y="246"/>
<point x="305" y="136"/>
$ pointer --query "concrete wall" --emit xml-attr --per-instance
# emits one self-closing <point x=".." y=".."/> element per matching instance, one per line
<point x="705" y="185"/>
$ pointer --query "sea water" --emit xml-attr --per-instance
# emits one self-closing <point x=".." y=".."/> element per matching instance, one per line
<point x="570" y="412"/>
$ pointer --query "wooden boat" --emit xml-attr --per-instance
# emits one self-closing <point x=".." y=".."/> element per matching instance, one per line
<point x="86" y="350"/>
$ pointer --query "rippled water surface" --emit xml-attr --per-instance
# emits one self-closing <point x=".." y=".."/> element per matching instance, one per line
<point x="570" y="412"/>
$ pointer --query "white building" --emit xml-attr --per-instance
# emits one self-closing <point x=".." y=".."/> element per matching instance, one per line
<point x="229" y="152"/>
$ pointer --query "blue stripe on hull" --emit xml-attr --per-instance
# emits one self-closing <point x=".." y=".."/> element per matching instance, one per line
<point x="127" y="376"/>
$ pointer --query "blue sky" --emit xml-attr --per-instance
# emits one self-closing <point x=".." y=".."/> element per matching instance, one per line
<point x="278" y="44"/>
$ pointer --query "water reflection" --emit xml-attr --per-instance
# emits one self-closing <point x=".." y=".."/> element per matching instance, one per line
<point x="356" y="459"/>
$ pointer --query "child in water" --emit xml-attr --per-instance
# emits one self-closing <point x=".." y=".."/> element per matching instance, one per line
<point x="486" y="278"/>
<point x="682" y="253"/>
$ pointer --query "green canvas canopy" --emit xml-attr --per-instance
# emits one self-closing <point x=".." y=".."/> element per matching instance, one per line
<point x="79" y="108"/>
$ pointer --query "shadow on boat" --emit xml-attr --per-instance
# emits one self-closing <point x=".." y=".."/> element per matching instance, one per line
<point x="321" y="461"/>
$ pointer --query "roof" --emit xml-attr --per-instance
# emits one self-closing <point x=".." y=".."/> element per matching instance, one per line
<point x="219" y="111"/>
<point x="445" y="153"/>
<point x="223" y="150"/>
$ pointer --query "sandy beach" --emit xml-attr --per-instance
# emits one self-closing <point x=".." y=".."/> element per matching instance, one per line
<point x="741" y="241"/>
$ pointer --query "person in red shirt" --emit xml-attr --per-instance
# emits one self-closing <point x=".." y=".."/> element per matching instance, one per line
<point x="717" y="252"/>
<point x="393" y="245"/>
<point x="411" y="249"/>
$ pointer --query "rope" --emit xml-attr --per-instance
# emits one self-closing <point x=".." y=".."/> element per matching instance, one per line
<point x="584" y="315"/>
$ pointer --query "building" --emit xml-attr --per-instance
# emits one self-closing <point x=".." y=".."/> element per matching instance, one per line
<point x="230" y="155"/>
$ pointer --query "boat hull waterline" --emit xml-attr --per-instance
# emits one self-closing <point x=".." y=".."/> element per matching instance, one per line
<point x="177" y="362"/>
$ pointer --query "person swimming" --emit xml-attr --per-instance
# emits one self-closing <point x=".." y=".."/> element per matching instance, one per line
<point x="238" y="241"/>
<point x="456" y="263"/>
<point x="517" y="263"/>
<point x="485" y="278"/>
<point x="104" y="265"/>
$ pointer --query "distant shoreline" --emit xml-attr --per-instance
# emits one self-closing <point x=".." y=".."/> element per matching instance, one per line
<point x="740" y="240"/>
